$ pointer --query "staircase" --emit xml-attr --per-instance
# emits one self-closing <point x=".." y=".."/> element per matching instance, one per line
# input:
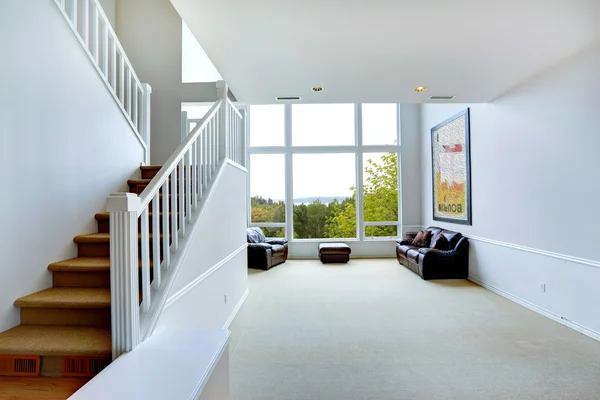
<point x="107" y="300"/>
<point x="65" y="331"/>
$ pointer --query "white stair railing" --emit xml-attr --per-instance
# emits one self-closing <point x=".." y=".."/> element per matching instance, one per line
<point x="150" y="229"/>
<point x="99" y="40"/>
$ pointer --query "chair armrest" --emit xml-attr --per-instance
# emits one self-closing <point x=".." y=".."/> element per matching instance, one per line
<point x="404" y="242"/>
<point x="280" y="241"/>
<point x="265" y="246"/>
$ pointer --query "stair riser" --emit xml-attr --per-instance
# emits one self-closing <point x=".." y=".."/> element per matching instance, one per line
<point x="81" y="279"/>
<point x="65" y="316"/>
<point x="104" y="226"/>
<point x="149" y="174"/>
<point x="102" y="250"/>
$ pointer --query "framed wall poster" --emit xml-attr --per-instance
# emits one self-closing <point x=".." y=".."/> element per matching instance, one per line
<point x="450" y="158"/>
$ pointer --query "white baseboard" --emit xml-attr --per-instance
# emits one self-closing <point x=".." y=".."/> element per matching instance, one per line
<point x="579" y="328"/>
<point x="235" y="311"/>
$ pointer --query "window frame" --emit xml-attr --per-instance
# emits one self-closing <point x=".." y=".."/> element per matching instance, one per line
<point x="358" y="149"/>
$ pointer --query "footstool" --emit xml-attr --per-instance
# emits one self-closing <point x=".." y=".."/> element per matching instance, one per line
<point x="334" y="252"/>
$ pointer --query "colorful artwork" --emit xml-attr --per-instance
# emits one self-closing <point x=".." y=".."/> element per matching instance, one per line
<point x="451" y="170"/>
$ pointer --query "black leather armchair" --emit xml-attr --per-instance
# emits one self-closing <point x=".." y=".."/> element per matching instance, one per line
<point x="265" y="253"/>
<point x="429" y="263"/>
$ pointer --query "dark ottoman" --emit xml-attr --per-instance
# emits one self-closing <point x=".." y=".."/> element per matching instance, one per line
<point x="334" y="252"/>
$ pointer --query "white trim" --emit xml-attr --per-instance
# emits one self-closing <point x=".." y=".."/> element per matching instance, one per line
<point x="565" y="257"/>
<point x="235" y="311"/>
<point x="539" y="310"/>
<point x="187" y="288"/>
<point x="236" y="165"/>
<point x="201" y="384"/>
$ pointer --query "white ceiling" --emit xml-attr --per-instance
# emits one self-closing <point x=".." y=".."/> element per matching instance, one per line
<point x="379" y="50"/>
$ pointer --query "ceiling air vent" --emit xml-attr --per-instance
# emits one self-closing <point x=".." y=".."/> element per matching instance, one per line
<point x="287" y="98"/>
<point x="19" y="365"/>
<point x="441" y="97"/>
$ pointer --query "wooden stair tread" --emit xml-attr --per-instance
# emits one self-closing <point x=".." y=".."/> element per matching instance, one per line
<point x="81" y="264"/>
<point x="150" y="167"/>
<point x="56" y="340"/>
<point x="67" y="298"/>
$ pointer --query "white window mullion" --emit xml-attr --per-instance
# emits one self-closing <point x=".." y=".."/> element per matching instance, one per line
<point x="289" y="175"/>
<point x="360" y="234"/>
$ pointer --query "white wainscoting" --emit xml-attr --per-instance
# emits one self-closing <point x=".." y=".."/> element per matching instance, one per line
<point x="570" y="295"/>
<point x="213" y="300"/>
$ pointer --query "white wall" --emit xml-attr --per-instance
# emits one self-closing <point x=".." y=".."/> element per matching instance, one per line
<point x="216" y="263"/>
<point x="410" y="165"/>
<point x="151" y="34"/>
<point x="109" y="9"/>
<point x="64" y="146"/>
<point x="535" y="164"/>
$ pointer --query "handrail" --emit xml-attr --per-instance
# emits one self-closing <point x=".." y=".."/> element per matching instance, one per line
<point x="163" y="174"/>
<point x="234" y="108"/>
<point x="116" y="39"/>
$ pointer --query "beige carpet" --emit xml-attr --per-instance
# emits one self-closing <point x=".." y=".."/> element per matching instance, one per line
<point x="371" y="329"/>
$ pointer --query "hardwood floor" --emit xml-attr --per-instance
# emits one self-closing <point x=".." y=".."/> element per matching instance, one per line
<point x="39" y="388"/>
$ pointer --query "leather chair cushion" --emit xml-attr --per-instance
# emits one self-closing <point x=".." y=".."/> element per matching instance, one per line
<point x="440" y="242"/>
<point x="413" y="255"/>
<point x="277" y="248"/>
<point x="402" y="249"/>
<point x="452" y="238"/>
<point x="434" y="234"/>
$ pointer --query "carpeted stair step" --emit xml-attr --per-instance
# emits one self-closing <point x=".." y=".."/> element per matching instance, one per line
<point x="86" y="272"/>
<point x="54" y="340"/>
<point x="66" y="306"/>
<point x="150" y="171"/>
<point x="103" y="220"/>
<point x="98" y="244"/>
<point x="67" y="298"/>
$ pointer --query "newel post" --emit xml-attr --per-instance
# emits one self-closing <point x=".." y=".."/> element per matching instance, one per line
<point x="146" y="117"/>
<point x="222" y="92"/>
<point x="124" y="287"/>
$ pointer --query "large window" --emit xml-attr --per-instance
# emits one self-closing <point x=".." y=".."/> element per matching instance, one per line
<point x="323" y="124"/>
<point x="380" y="194"/>
<point x="313" y="171"/>
<point x="379" y="124"/>
<point x="267" y="193"/>
<point x="324" y="196"/>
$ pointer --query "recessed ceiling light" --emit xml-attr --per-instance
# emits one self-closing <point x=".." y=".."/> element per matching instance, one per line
<point x="420" y="88"/>
<point x="317" y="89"/>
